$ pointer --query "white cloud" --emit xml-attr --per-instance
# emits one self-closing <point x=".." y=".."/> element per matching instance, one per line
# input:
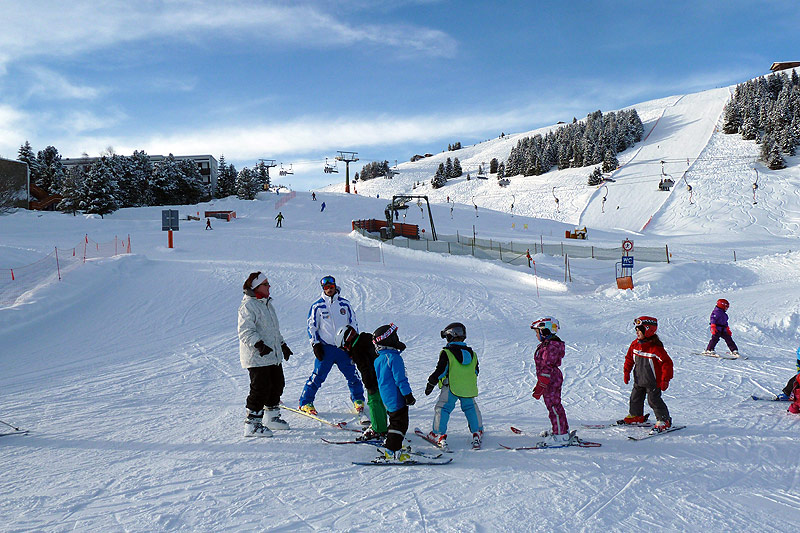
<point x="55" y="86"/>
<point x="13" y="131"/>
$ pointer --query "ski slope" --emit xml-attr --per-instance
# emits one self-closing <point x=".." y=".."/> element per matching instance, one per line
<point x="127" y="374"/>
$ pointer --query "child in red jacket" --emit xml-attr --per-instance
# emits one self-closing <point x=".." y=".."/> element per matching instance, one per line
<point x="652" y="372"/>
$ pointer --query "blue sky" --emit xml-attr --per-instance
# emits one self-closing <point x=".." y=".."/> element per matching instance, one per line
<point x="297" y="81"/>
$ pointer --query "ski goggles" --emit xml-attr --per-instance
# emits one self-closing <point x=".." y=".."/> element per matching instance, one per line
<point x="327" y="281"/>
<point x="645" y="322"/>
<point x="385" y="335"/>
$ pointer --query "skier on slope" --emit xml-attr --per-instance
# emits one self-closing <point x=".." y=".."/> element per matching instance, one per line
<point x="326" y="316"/>
<point x="791" y="391"/>
<point x="652" y="372"/>
<point x="394" y="388"/>
<point x="279" y="218"/>
<point x="549" y="379"/>
<point x="456" y="374"/>
<point x="261" y="346"/>
<point x="720" y="329"/>
<point x="362" y="351"/>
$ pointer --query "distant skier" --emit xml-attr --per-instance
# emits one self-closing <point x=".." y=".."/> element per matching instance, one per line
<point x="327" y="315"/>
<point x="652" y="372"/>
<point x="791" y="391"/>
<point x="549" y="378"/>
<point x="394" y="387"/>
<point x="456" y="374"/>
<point x="208" y="224"/>
<point x="261" y="346"/>
<point x="279" y="218"/>
<point x="322" y="207"/>
<point x="314" y="196"/>
<point x="362" y="351"/>
<point x="720" y="329"/>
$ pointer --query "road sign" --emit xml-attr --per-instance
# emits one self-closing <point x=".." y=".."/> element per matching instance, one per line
<point x="627" y="245"/>
<point x="627" y="261"/>
<point x="169" y="219"/>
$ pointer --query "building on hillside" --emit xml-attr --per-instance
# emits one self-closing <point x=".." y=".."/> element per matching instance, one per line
<point x="207" y="165"/>
<point x="14" y="184"/>
<point x="782" y="65"/>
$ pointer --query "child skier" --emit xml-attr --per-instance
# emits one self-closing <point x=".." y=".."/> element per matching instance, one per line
<point x="394" y="388"/>
<point x="652" y="372"/>
<point x="720" y="329"/>
<point x="549" y="379"/>
<point x="362" y="351"/>
<point x="457" y="376"/>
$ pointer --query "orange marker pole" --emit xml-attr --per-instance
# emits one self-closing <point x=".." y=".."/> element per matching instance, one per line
<point x="169" y="233"/>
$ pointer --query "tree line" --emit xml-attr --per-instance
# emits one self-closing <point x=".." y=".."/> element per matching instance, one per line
<point x="114" y="181"/>
<point x="767" y="110"/>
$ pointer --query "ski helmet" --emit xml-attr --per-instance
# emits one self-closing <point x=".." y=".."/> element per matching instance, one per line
<point x="723" y="304"/>
<point x="386" y="336"/>
<point x="327" y="280"/>
<point x="345" y="337"/>
<point x="454" y="332"/>
<point x="547" y="325"/>
<point x="647" y="324"/>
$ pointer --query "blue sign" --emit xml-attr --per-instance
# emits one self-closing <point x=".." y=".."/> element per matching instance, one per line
<point x="627" y="262"/>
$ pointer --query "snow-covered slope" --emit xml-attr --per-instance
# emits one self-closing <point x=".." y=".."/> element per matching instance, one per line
<point x="127" y="372"/>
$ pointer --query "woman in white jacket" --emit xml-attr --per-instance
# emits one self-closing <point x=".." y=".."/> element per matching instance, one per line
<point x="261" y="347"/>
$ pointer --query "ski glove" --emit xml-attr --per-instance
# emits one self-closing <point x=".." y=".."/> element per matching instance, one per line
<point x="727" y="330"/>
<point x="541" y="387"/>
<point x="286" y="351"/>
<point x="626" y="378"/>
<point x="262" y="348"/>
<point x="409" y="398"/>
<point x="319" y="351"/>
<point x="428" y="389"/>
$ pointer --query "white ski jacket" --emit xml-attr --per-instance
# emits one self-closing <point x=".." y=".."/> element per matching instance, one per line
<point x="326" y="316"/>
<point x="258" y="322"/>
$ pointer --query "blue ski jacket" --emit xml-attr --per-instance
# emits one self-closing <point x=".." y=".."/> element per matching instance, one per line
<point x="392" y="379"/>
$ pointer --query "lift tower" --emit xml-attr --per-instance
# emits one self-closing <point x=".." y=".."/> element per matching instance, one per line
<point x="347" y="157"/>
<point x="268" y="164"/>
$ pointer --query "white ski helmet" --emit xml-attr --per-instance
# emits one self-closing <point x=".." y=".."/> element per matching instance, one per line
<point x="345" y="337"/>
<point x="547" y="325"/>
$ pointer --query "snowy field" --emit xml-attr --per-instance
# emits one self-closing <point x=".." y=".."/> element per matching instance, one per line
<point x="127" y="371"/>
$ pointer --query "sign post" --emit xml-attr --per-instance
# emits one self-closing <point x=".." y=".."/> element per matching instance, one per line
<point x="169" y="222"/>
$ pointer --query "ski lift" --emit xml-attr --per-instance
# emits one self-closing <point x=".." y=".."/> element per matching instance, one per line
<point x="330" y="169"/>
<point x="282" y="171"/>
<point x="603" y="204"/>
<point x="556" y="199"/>
<point x="289" y="170"/>
<point x="755" y="187"/>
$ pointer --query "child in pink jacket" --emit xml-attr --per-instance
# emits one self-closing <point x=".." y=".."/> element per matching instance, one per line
<point x="549" y="378"/>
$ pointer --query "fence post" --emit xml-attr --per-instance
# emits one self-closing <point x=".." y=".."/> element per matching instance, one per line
<point x="58" y="268"/>
<point x="592" y="252"/>
<point x="562" y="249"/>
<point x="448" y="247"/>
<point x="500" y="246"/>
<point x="734" y="256"/>
<point x="666" y="246"/>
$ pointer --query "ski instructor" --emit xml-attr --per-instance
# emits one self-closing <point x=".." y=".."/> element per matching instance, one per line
<point x="327" y="315"/>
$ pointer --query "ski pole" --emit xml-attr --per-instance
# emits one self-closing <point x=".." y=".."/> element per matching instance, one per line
<point x="9" y="425"/>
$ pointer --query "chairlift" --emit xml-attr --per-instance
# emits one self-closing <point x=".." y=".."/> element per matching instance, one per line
<point x="282" y="171"/>
<point x="330" y="169"/>
<point x="289" y="170"/>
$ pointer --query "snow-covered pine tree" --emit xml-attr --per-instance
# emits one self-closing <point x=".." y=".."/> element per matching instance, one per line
<point x="135" y="186"/>
<point x="457" y="170"/>
<point x="501" y="171"/>
<point x="164" y="183"/>
<point x="98" y="195"/>
<point x="262" y="173"/>
<point x="72" y="190"/>
<point x="51" y="171"/>
<point x="191" y="188"/>
<point x="596" y="177"/>
<point x="448" y="168"/>
<point x="610" y="161"/>
<point x="26" y="155"/>
<point x="439" y="178"/>
<point x="493" y="166"/>
<point x="247" y="184"/>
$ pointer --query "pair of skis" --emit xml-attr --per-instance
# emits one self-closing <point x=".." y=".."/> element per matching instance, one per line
<point x="645" y="424"/>
<point x="574" y="440"/>
<point x="726" y="355"/>
<point x="338" y="425"/>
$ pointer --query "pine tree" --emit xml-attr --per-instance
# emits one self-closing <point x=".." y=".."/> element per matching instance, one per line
<point x="51" y="171"/>
<point x="596" y="177"/>
<point x="97" y="196"/>
<point x="247" y="184"/>
<point x="610" y="161"/>
<point x="72" y="190"/>
<point x="501" y="171"/>
<point x="493" y="166"/>
<point x="439" y="179"/>
<point x="134" y="187"/>
<point x="191" y="188"/>
<point x="164" y="183"/>
<point x="26" y="155"/>
<point x="262" y="173"/>
<point x="457" y="170"/>
<point x="448" y="168"/>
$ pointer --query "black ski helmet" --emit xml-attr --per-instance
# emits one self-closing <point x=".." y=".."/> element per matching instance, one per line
<point x="386" y="336"/>
<point x="454" y="332"/>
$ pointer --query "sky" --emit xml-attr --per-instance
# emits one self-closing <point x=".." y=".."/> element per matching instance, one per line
<point x="298" y="81"/>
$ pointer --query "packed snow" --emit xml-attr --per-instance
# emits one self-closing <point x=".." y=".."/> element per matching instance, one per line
<point x="127" y="374"/>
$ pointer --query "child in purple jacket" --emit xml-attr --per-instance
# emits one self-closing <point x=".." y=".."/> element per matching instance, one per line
<point x="720" y="329"/>
<point x="549" y="379"/>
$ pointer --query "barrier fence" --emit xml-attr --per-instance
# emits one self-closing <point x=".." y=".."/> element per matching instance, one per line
<point x="14" y="282"/>
<point x="516" y="252"/>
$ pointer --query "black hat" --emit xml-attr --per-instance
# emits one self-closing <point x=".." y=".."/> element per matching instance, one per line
<point x="386" y="336"/>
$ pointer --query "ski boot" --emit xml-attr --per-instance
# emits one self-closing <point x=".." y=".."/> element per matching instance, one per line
<point x="253" y="426"/>
<point x="274" y="420"/>
<point x="359" y="406"/>
<point x="477" y="440"/>
<point x="439" y="440"/>
<point x="309" y="408"/>
<point x="398" y="456"/>
<point x="662" y="425"/>
<point x="370" y="434"/>
<point x="631" y="419"/>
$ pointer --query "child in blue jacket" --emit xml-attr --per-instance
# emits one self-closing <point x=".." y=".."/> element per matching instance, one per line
<point x="393" y="385"/>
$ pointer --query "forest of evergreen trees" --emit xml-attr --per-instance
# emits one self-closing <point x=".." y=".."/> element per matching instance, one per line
<point x="767" y="110"/>
<point x="447" y="170"/>
<point x="595" y="140"/>
<point x="375" y="169"/>
<point x="115" y="181"/>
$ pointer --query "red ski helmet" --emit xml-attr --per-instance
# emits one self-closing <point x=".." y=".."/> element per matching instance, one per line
<point x="648" y="325"/>
<point x="723" y="304"/>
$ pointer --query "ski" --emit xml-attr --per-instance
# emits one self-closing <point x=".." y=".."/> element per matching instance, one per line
<point x="574" y="441"/>
<point x="424" y="436"/>
<point x="773" y="398"/>
<point x="337" y="425"/>
<point x="656" y="433"/>
<point x="411" y="462"/>
<point x="20" y="432"/>
<point x="620" y="423"/>
<point x="362" y="416"/>
<point x="374" y="442"/>
<point x="727" y="355"/>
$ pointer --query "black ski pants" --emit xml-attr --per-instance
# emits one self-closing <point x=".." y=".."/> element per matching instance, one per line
<point x="398" y="425"/>
<point x="653" y="394"/>
<point x="266" y="387"/>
